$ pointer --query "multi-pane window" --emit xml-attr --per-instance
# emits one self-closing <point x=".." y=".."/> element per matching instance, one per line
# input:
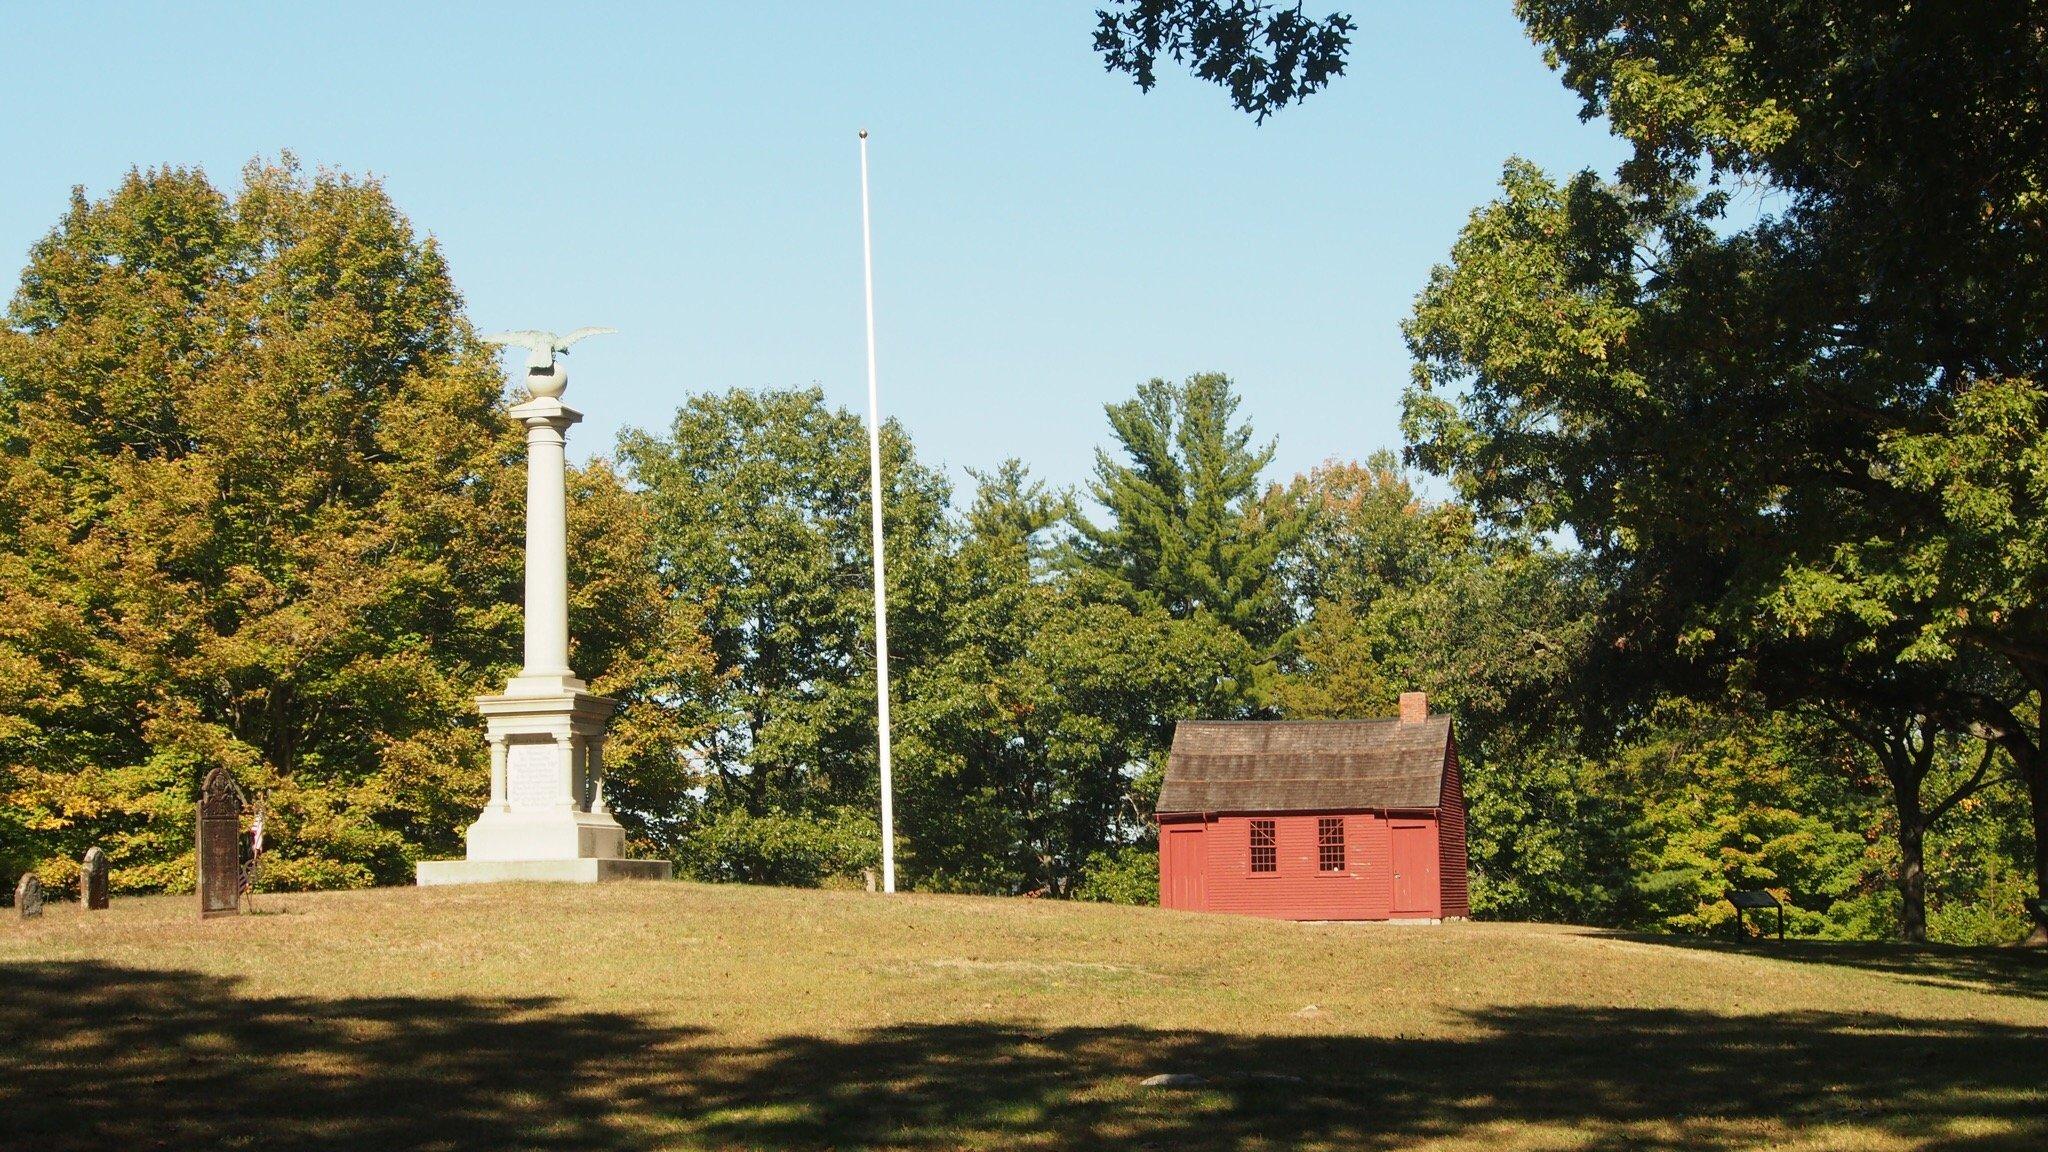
<point x="1265" y="847"/>
<point x="1330" y="843"/>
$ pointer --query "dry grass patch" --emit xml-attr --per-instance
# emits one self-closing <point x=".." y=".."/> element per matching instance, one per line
<point x="686" y="1016"/>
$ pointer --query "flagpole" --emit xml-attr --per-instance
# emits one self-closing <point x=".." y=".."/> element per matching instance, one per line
<point x="867" y="253"/>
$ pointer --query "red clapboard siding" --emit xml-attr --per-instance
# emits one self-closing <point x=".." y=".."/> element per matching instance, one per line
<point x="1457" y="896"/>
<point x="1298" y="889"/>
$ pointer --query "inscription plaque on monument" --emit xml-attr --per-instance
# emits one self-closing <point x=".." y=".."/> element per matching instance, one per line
<point x="220" y="846"/>
<point x="92" y="880"/>
<point x="533" y="775"/>
<point x="28" y="896"/>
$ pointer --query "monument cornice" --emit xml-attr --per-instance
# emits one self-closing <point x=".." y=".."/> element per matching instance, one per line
<point x="545" y="410"/>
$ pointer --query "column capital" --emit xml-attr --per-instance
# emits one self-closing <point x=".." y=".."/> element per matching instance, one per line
<point x="545" y="412"/>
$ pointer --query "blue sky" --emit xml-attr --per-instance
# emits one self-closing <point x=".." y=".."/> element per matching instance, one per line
<point x="1046" y="235"/>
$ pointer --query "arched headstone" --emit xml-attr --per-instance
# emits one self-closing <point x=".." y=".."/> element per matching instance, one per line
<point x="28" y="896"/>
<point x="92" y="880"/>
<point x="220" y="845"/>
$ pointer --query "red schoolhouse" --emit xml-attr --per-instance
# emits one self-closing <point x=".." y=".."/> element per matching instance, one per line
<point x="1316" y="820"/>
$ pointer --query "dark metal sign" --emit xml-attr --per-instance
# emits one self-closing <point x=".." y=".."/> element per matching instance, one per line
<point x="220" y="845"/>
<point x="1758" y="901"/>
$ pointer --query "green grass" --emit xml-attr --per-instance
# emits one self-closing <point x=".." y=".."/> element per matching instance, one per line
<point x="685" y="1016"/>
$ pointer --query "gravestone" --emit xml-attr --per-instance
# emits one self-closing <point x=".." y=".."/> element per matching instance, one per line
<point x="220" y="845"/>
<point x="92" y="880"/>
<point x="28" y="896"/>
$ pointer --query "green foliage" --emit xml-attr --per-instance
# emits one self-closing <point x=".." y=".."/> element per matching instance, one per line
<point x="761" y="516"/>
<point x="1268" y="56"/>
<point x="1547" y="842"/>
<point x="1740" y="586"/>
<point x="1190" y="531"/>
<point x="794" y="849"/>
<point x="1644" y="826"/>
<point x="1127" y="875"/>
<point x="1027" y="745"/>
<point x="1731" y="801"/>
<point x="251" y="452"/>
<point x="1799" y="451"/>
<point x="257" y="508"/>
<point x="1977" y="870"/>
<point x="646" y="649"/>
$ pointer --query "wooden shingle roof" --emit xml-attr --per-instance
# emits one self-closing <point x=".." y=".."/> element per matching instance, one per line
<point x="1305" y="765"/>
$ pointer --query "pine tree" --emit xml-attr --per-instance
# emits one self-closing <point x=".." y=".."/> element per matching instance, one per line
<point x="1190" y="530"/>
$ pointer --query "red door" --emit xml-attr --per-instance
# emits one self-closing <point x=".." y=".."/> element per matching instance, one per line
<point x="1414" y="852"/>
<point x="1186" y="859"/>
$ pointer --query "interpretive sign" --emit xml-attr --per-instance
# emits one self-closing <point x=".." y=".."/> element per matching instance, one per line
<point x="1758" y="901"/>
<point x="220" y="845"/>
<point x="533" y="776"/>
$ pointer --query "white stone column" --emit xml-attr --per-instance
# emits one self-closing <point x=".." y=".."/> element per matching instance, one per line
<point x="597" y="803"/>
<point x="547" y="546"/>
<point x="498" y="799"/>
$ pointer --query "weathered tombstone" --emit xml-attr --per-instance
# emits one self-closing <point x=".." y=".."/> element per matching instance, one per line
<point x="220" y="845"/>
<point x="28" y="896"/>
<point x="92" y="880"/>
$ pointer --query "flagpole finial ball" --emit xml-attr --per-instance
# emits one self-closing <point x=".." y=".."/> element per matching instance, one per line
<point x="863" y="133"/>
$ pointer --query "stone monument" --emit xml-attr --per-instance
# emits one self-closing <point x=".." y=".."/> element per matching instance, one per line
<point x="28" y="896"/>
<point x="92" y="880"/>
<point x="546" y="819"/>
<point x="219" y="844"/>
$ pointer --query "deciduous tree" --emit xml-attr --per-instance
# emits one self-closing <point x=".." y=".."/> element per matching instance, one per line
<point x="258" y="507"/>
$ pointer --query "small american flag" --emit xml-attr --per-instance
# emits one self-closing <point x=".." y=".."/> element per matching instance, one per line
<point x="255" y="851"/>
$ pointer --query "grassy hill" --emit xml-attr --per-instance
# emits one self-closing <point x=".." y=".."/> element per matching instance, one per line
<point x="686" y="1016"/>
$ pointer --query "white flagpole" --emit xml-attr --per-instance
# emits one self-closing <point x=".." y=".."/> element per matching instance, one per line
<point x="867" y="253"/>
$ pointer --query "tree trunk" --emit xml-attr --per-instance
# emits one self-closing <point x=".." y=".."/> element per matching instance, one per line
<point x="2034" y="771"/>
<point x="1912" y="865"/>
<point x="1907" y="761"/>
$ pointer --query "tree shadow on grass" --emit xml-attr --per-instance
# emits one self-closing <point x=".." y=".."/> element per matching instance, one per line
<point x="98" y="1057"/>
<point x="1998" y="971"/>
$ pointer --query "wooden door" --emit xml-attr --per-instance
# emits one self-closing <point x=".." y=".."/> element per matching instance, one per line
<point x="1187" y="859"/>
<point x="1414" y="866"/>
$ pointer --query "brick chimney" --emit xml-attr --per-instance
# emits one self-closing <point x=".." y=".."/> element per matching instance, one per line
<point x="1414" y="707"/>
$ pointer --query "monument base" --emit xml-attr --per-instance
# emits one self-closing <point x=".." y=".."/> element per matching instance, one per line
<point x="557" y="834"/>
<point x="586" y="870"/>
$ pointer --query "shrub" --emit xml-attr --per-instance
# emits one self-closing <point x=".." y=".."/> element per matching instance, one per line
<point x="795" y="849"/>
<point x="1127" y="875"/>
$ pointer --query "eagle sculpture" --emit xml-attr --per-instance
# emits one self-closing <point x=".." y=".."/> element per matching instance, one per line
<point x="542" y="345"/>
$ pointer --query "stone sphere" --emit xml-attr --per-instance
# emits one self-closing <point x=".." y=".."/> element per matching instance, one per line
<point x="548" y="381"/>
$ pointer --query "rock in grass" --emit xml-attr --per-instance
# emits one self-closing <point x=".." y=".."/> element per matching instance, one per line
<point x="28" y="896"/>
<point x="1173" y="1080"/>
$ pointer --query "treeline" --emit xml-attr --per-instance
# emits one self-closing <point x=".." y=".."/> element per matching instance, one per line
<point x="258" y="507"/>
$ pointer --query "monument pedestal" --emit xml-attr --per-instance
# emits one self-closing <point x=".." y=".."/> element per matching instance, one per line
<point x="546" y="819"/>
